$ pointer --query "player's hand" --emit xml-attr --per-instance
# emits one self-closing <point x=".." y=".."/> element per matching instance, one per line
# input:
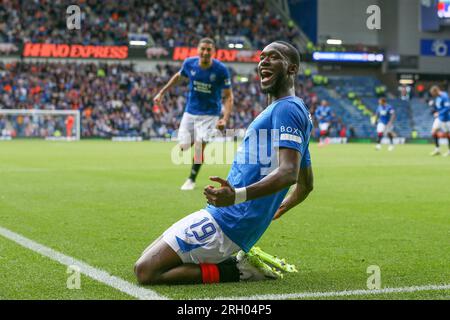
<point x="158" y="98"/>
<point x="281" y="210"/>
<point x="277" y="215"/>
<point x="221" y="124"/>
<point x="222" y="196"/>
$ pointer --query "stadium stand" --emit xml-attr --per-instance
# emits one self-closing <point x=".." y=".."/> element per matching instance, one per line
<point x="342" y="92"/>
<point x="169" y="23"/>
<point x="421" y="117"/>
<point x="116" y="100"/>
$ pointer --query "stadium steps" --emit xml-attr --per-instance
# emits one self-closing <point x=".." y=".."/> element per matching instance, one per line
<point x="422" y="117"/>
<point x="403" y="123"/>
<point x="364" y="88"/>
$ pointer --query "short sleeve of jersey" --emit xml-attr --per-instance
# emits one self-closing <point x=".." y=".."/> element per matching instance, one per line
<point x="184" y="69"/>
<point x="306" y="159"/>
<point x="286" y="118"/>
<point x="445" y="101"/>
<point x="226" y="80"/>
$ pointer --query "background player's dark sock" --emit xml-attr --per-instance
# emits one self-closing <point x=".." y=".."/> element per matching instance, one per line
<point x="436" y="141"/>
<point x="229" y="271"/>
<point x="391" y="138"/>
<point x="194" y="171"/>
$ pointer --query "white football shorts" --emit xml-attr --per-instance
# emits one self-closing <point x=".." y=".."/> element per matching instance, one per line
<point x="324" y="126"/>
<point x="441" y="125"/>
<point x="384" y="128"/>
<point x="198" y="238"/>
<point x="199" y="128"/>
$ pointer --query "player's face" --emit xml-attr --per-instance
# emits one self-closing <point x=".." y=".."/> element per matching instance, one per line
<point x="206" y="52"/>
<point x="272" y="68"/>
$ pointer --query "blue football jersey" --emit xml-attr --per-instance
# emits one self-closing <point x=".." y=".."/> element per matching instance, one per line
<point x="205" y="86"/>
<point x="442" y="106"/>
<point x="285" y="123"/>
<point x="385" y="113"/>
<point x="323" y="114"/>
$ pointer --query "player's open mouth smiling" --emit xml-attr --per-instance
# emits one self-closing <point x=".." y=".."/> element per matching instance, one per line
<point x="266" y="76"/>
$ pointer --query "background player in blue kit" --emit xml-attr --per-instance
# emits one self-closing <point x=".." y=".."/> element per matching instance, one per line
<point x="273" y="156"/>
<point x="384" y="118"/>
<point x="208" y="77"/>
<point x="324" y="116"/>
<point x="441" y="125"/>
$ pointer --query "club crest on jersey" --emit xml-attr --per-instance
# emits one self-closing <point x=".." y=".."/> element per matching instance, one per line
<point x="193" y="72"/>
<point x="212" y="77"/>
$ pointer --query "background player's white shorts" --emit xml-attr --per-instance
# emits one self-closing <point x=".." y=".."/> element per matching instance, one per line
<point x="440" y="125"/>
<point x="324" y="126"/>
<point x="197" y="128"/>
<point x="198" y="238"/>
<point x="384" y="128"/>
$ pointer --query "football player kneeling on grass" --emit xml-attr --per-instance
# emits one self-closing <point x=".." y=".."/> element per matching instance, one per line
<point x="216" y="244"/>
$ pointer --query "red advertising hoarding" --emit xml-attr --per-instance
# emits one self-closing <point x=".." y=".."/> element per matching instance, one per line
<point x="224" y="55"/>
<point x="48" y="50"/>
<point x="76" y="51"/>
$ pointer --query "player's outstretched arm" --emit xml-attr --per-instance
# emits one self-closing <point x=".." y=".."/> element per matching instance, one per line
<point x="302" y="189"/>
<point x="173" y="81"/>
<point x="228" y="104"/>
<point x="283" y="177"/>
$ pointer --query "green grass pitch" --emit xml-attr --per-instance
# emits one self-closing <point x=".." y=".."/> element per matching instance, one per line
<point x="103" y="202"/>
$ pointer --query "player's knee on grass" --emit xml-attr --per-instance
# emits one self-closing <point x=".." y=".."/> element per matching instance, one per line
<point x="146" y="272"/>
<point x="143" y="271"/>
<point x="159" y="259"/>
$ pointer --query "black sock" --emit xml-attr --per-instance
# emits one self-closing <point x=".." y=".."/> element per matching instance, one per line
<point x="436" y="141"/>
<point x="194" y="171"/>
<point x="228" y="270"/>
<point x="391" y="138"/>
<point x="379" y="140"/>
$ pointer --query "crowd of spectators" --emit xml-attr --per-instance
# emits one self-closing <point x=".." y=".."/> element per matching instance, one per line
<point x="170" y="22"/>
<point x="116" y="100"/>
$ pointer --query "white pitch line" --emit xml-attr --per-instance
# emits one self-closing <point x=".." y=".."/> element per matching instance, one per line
<point x="147" y="294"/>
<point x="94" y="273"/>
<point x="344" y="293"/>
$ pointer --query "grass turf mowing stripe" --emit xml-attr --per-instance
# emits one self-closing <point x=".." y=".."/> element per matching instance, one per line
<point x="94" y="273"/>
<point x="331" y="294"/>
